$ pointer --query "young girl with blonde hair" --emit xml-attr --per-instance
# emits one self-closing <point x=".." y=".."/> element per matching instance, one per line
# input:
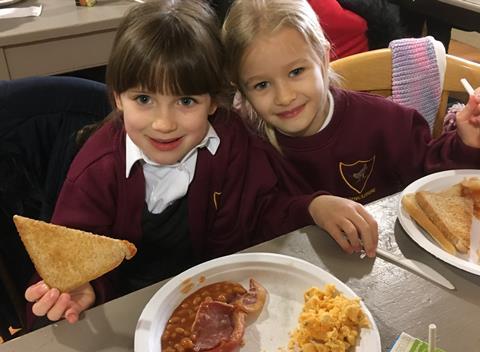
<point x="350" y="144"/>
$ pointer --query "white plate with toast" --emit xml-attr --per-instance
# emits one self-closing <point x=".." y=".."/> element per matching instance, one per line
<point x="438" y="182"/>
<point x="285" y="278"/>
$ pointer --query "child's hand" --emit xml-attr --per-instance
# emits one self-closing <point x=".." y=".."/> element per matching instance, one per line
<point x="347" y="222"/>
<point x="468" y="121"/>
<point x="56" y="305"/>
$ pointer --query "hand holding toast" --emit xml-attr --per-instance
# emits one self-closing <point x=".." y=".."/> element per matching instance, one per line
<point x="67" y="260"/>
<point x="348" y="222"/>
<point x="468" y="121"/>
<point x="55" y="305"/>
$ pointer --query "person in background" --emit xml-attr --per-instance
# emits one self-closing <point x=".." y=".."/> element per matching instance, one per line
<point x="346" y="30"/>
<point x="171" y="170"/>
<point x="388" y="20"/>
<point x="354" y="145"/>
<point x="384" y="21"/>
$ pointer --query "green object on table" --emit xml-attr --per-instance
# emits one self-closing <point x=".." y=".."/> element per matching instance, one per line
<point x="407" y="343"/>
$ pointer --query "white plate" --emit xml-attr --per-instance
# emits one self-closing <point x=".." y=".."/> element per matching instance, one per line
<point x="285" y="278"/>
<point x="438" y="182"/>
<point x="8" y="2"/>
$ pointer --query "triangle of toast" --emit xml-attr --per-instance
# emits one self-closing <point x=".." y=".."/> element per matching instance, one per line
<point x="417" y="214"/>
<point x="67" y="258"/>
<point x="451" y="213"/>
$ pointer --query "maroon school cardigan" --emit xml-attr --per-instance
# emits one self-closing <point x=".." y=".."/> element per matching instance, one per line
<point x="241" y="196"/>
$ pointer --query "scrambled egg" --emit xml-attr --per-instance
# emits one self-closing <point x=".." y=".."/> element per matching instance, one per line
<point x="329" y="322"/>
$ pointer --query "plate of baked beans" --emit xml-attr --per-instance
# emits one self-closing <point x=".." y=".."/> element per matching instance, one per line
<point x="251" y="302"/>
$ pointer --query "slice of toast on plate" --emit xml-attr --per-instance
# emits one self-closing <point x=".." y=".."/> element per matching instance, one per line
<point x="66" y="258"/>
<point x="417" y="214"/>
<point x="452" y="214"/>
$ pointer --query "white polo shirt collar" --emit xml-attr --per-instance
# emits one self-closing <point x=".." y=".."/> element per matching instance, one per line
<point x="166" y="183"/>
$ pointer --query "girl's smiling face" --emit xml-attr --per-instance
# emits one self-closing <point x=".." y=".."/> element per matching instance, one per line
<point x="165" y="127"/>
<point x="281" y="77"/>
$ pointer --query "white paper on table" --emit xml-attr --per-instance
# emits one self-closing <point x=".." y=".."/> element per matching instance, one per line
<point x="16" y="12"/>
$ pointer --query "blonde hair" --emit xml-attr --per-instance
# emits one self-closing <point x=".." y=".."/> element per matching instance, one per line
<point x="247" y="19"/>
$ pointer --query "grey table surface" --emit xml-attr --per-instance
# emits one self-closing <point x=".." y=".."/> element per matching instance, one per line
<point x="61" y="18"/>
<point x="398" y="299"/>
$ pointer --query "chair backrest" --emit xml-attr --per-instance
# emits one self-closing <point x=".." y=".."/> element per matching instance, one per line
<point x="39" y="117"/>
<point x="371" y="71"/>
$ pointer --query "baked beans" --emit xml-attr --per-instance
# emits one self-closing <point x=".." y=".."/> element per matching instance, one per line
<point x="177" y="335"/>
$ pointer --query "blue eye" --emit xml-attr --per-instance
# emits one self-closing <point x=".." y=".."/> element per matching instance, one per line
<point x="296" y="72"/>
<point x="143" y="99"/>
<point x="187" y="101"/>
<point x="261" y="85"/>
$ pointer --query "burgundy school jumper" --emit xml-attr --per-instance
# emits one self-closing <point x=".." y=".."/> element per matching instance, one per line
<point x="373" y="148"/>
<point x="243" y="195"/>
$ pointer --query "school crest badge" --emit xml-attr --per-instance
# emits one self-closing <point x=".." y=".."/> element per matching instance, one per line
<point x="357" y="174"/>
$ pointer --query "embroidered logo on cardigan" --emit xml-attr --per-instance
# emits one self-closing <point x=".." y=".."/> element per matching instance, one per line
<point x="216" y="199"/>
<point x="356" y="174"/>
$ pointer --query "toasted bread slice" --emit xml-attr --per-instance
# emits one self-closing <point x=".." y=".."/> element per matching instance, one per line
<point x="452" y="214"/>
<point x="471" y="189"/>
<point x="417" y="214"/>
<point x="66" y="258"/>
<point x="455" y="191"/>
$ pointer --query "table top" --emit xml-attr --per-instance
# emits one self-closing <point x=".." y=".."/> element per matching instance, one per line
<point x="61" y="18"/>
<point x="398" y="299"/>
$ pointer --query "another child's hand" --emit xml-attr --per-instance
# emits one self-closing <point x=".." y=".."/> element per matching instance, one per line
<point x="348" y="222"/>
<point x="468" y="121"/>
<point x="56" y="305"/>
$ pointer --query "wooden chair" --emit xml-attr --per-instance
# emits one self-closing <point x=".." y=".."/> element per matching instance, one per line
<point x="371" y="71"/>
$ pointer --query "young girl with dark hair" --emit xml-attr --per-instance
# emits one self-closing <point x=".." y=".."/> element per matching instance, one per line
<point x="171" y="170"/>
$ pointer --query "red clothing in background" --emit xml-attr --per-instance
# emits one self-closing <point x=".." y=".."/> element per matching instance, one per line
<point x="346" y="31"/>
